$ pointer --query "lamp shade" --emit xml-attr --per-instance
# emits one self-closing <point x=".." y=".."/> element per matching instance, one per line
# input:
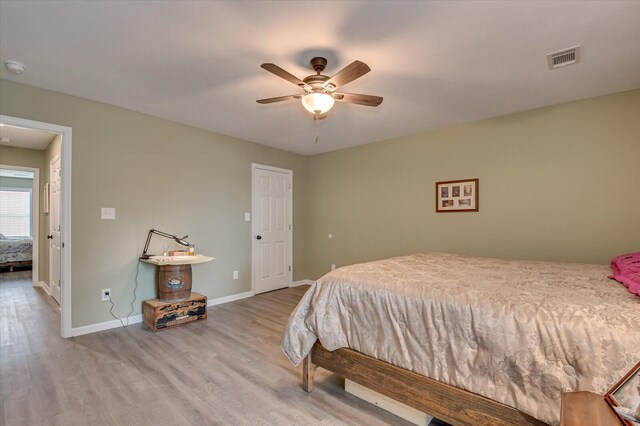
<point x="317" y="103"/>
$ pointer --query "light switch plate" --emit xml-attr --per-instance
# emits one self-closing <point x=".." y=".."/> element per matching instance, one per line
<point x="247" y="217"/>
<point x="108" y="213"/>
<point x="235" y="275"/>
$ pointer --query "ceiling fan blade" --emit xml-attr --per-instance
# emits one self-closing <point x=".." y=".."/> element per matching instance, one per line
<point x="278" y="99"/>
<point x="355" y="98"/>
<point x="274" y="69"/>
<point x="354" y="70"/>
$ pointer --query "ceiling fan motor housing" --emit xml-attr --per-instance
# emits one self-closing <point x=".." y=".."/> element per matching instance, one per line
<point x="318" y="64"/>
<point x="316" y="81"/>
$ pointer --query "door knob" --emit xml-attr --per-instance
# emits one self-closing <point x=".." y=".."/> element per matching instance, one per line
<point x="49" y="237"/>
<point x="259" y="237"/>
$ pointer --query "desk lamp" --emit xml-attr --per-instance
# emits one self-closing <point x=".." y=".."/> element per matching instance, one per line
<point x="182" y="241"/>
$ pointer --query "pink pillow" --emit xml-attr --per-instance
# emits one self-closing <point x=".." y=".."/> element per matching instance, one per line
<point x="626" y="269"/>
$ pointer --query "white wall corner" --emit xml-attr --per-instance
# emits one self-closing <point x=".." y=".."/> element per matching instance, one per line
<point x="302" y="282"/>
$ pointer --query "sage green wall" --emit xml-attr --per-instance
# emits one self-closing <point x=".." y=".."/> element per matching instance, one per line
<point x="24" y="157"/>
<point x="558" y="183"/>
<point x="157" y="174"/>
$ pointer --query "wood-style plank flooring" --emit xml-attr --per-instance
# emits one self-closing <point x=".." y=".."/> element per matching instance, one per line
<point x="227" y="370"/>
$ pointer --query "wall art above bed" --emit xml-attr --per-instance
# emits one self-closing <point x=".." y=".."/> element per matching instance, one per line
<point x="457" y="195"/>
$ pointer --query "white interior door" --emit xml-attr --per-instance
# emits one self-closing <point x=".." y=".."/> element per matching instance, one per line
<point x="54" y="228"/>
<point x="271" y="248"/>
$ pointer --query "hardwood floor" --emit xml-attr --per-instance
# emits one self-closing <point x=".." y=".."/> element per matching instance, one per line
<point x="227" y="370"/>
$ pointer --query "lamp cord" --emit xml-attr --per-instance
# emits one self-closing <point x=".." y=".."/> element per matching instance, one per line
<point x="135" y="289"/>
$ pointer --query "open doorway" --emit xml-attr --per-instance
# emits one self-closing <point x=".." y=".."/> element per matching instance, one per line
<point x="36" y="217"/>
<point x="19" y="220"/>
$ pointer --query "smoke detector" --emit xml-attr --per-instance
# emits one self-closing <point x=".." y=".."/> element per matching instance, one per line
<point x="15" y="67"/>
<point x="563" y="58"/>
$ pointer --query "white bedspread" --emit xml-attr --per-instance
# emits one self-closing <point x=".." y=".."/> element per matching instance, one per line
<point x="15" y="250"/>
<point x="514" y="331"/>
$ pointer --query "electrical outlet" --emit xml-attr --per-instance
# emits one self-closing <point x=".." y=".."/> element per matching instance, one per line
<point x="106" y="294"/>
<point x="235" y="275"/>
<point x="333" y="266"/>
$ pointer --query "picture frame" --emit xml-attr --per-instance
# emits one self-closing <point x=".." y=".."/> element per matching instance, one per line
<point x="45" y="206"/>
<point x="624" y="397"/>
<point x="461" y="195"/>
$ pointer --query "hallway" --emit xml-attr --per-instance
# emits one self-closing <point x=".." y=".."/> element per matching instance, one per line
<point x="29" y="318"/>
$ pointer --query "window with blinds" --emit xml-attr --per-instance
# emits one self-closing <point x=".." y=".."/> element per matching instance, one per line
<point x="15" y="212"/>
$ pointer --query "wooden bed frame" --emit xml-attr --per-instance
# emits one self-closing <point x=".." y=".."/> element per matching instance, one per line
<point x="18" y="263"/>
<point x="444" y="402"/>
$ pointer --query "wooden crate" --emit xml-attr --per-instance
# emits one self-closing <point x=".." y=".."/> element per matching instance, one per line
<point x="159" y="315"/>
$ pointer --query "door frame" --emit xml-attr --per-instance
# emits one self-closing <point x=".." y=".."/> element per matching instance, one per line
<point x="35" y="220"/>
<point x="65" y="211"/>
<point x="254" y="245"/>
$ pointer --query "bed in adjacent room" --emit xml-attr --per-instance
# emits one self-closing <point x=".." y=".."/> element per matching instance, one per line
<point x="15" y="252"/>
<point x="516" y="332"/>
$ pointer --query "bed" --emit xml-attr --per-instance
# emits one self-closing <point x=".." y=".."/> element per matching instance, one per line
<point x="508" y="335"/>
<point x="15" y="252"/>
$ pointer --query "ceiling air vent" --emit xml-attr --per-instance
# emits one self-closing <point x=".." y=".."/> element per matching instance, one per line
<point x="564" y="57"/>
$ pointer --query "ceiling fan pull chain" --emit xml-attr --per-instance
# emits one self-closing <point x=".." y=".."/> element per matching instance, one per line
<point x="315" y="118"/>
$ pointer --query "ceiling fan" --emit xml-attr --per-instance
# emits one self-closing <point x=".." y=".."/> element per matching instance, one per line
<point x="320" y="90"/>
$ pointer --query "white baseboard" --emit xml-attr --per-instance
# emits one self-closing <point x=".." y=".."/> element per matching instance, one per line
<point x="135" y="319"/>
<point x="45" y="287"/>
<point x="106" y="325"/>
<point x="302" y="282"/>
<point x="227" y="299"/>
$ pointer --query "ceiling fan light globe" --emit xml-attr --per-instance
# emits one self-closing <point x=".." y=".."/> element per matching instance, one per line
<point x="317" y="103"/>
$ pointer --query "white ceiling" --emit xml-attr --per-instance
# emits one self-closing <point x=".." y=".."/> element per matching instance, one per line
<point x="24" y="138"/>
<point x="435" y="63"/>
